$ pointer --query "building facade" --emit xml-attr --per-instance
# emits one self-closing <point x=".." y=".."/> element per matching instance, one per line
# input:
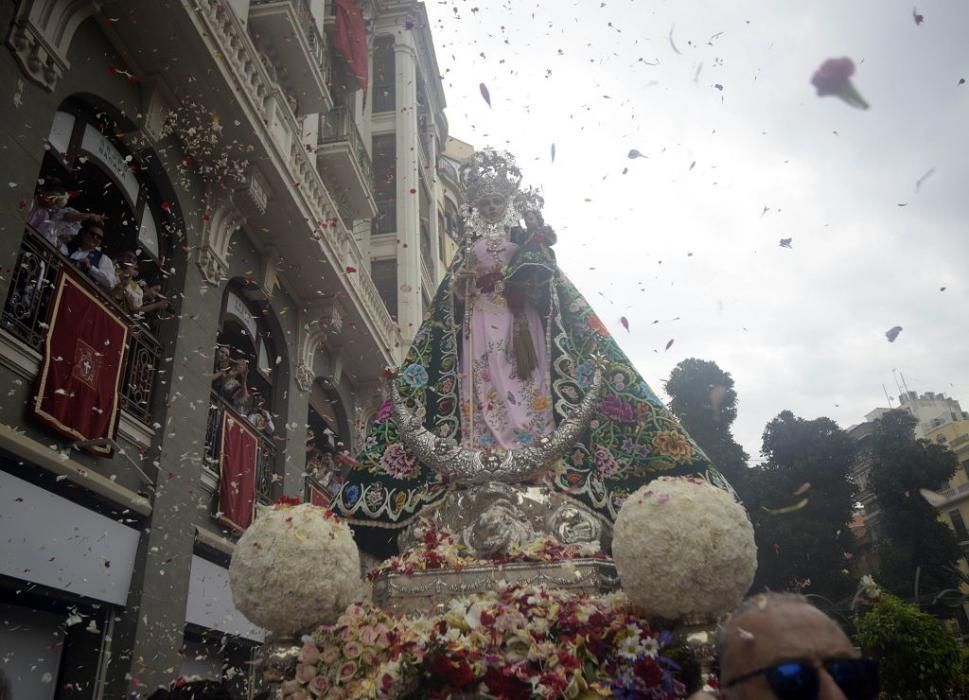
<point x="196" y="309"/>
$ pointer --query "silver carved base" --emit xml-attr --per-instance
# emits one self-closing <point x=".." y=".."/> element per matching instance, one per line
<point x="491" y="518"/>
<point x="279" y="662"/>
<point x="432" y="590"/>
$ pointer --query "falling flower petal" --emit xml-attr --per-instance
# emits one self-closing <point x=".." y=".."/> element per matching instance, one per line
<point x="934" y="499"/>
<point x="917" y="17"/>
<point x="785" y="242"/>
<point x="834" y="78"/>
<point x="803" y="488"/>
<point x="668" y="344"/>
<point x="625" y="322"/>
<point x="485" y="94"/>
<point x="892" y="333"/>
<point x="634" y="153"/>
<point x="786" y="509"/>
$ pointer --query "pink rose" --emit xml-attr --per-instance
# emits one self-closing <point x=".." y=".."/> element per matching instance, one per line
<point x="309" y="654"/>
<point x="352" y="649"/>
<point x="346" y="671"/>
<point x="305" y="673"/>
<point x="368" y="635"/>
<point x="319" y="686"/>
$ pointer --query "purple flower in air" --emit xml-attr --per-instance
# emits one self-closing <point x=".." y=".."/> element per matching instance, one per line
<point x="834" y="78"/>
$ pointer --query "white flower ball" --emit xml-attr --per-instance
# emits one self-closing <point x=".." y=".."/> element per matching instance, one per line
<point x="684" y="547"/>
<point x="296" y="567"/>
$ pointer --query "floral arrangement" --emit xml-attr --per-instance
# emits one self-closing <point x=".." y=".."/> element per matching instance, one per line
<point x="436" y="548"/>
<point x="698" y="535"/>
<point x="521" y="641"/>
<point x="294" y="568"/>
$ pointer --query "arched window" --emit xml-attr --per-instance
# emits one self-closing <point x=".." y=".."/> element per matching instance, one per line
<point x="247" y="367"/>
<point x="327" y="436"/>
<point x="96" y="211"/>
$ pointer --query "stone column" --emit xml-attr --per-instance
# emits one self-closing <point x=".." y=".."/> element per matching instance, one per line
<point x="150" y="629"/>
<point x="409" y="303"/>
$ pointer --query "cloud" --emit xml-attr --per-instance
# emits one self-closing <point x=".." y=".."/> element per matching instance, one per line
<point x="800" y="329"/>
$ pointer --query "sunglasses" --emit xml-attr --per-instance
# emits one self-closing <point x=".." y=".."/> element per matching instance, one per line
<point x="800" y="680"/>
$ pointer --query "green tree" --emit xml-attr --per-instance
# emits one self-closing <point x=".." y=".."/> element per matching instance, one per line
<point x="913" y="540"/>
<point x="919" y="656"/>
<point x="801" y="502"/>
<point x="703" y="398"/>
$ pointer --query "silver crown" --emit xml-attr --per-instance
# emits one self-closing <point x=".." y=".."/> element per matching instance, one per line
<point x="490" y="172"/>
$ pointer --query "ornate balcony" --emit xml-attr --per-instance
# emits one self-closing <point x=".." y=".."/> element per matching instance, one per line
<point x="345" y="164"/>
<point x="28" y="306"/>
<point x="266" y="456"/>
<point x="287" y="31"/>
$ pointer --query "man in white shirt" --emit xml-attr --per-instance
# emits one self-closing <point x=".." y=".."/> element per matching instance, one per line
<point x="89" y="257"/>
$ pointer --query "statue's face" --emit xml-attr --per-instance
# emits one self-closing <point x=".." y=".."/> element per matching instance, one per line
<point x="492" y="208"/>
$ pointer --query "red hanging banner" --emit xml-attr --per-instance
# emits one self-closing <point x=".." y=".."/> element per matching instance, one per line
<point x="80" y="376"/>
<point x="237" y="472"/>
<point x="350" y="39"/>
<point x="319" y="497"/>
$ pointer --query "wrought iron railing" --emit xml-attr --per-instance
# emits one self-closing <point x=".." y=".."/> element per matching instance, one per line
<point x="339" y="125"/>
<point x="266" y="458"/>
<point x="27" y="311"/>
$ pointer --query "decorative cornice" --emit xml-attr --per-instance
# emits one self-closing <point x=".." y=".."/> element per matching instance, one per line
<point x="41" y="34"/>
<point x="222" y="219"/>
<point x="321" y="326"/>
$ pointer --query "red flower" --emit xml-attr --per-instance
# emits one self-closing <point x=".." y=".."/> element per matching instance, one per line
<point x="595" y="323"/>
<point x="649" y="671"/>
<point x="456" y="673"/>
<point x="288" y="501"/>
<point x="505" y="686"/>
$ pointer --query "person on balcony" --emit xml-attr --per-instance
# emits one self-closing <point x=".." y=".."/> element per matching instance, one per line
<point x="153" y="302"/>
<point x="58" y="223"/>
<point x="259" y="415"/>
<point x="135" y="296"/>
<point x="233" y="385"/>
<point x="88" y="256"/>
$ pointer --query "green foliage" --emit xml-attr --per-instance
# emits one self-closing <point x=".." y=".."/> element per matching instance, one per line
<point x="802" y="545"/>
<point x="913" y="539"/>
<point x="703" y="398"/>
<point x="919" y="655"/>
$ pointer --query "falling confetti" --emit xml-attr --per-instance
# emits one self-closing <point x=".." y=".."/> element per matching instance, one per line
<point x="802" y="489"/>
<point x="934" y="499"/>
<point x="928" y="174"/>
<point x="834" y="78"/>
<point x="917" y="17"/>
<point x="785" y="242"/>
<point x="351" y="269"/>
<point x="485" y="94"/>
<point x="668" y="345"/>
<point x="553" y="152"/>
<point x="672" y="43"/>
<point x="786" y="509"/>
<point x="625" y="322"/>
<point x="892" y="333"/>
<point x="634" y="154"/>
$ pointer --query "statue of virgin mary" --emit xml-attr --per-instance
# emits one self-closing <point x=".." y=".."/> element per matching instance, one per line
<point x="511" y="381"/>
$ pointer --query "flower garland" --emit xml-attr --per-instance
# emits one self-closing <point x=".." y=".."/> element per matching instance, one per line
<point x="437" y="549"/>
<point x="520" y="641"/>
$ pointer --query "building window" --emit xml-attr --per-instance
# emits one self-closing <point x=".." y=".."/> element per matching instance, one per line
<point x="385" y="183"/>
<point x="246" y="362"/>
<point x="91" y="187"/>
<point x="959" y="525"/>
<point x="384" y="75"/>
<point x="384" y="274"/>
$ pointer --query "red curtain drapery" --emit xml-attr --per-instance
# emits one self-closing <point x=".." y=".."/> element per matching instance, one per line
<point x="350" y="39"/>
<point x="80" y="376"/>
<point x="237" y="472"/>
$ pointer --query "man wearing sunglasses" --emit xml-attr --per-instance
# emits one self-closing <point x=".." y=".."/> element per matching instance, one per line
<point x="780" y="647"/>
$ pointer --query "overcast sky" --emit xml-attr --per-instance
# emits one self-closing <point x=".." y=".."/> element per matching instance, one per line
<point x="801" y="328"/>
